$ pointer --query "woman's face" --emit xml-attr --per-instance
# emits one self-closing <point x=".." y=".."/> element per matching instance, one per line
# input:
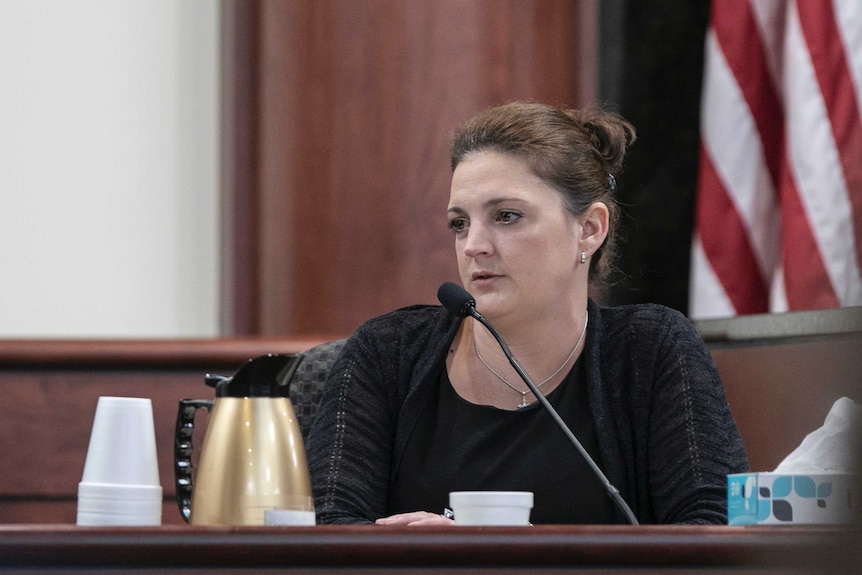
<point x="517" y="245"/>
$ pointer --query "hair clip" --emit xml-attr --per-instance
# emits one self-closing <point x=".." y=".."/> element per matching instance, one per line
<point x="612" y="183"/>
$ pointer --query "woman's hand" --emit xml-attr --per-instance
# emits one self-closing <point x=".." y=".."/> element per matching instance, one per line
<point x="415" y="518"/>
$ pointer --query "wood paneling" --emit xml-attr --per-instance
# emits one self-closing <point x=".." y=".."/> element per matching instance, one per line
<point x="781" y="392"/>
<point x="50" y="390"/>
<point x="240" y="127"/>
<point x="337" y="158"/>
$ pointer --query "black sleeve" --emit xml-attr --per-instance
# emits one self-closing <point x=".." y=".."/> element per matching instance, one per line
<point x="693" y="439"/>
<point x="350" y="444"/>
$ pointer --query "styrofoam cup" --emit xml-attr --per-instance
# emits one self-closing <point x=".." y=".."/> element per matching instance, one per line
<point x="120" y="483"/>
<point x="491" y="507"/>
<point x="106" y="504"/>
<point x="122" y="448"/>
<point x="288" y="517"/>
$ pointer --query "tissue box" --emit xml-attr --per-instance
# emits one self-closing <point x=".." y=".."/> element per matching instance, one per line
<point x="792" y="499"/>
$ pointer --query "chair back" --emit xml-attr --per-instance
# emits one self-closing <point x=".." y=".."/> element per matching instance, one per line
<point x="306" y="387"/>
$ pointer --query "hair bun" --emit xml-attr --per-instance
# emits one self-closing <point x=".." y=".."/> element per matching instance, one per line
<point x="610" y="133"/>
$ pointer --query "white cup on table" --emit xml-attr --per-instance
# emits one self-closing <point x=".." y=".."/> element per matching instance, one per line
<point x="491" y="507"/>
<point x="120" y="484"/>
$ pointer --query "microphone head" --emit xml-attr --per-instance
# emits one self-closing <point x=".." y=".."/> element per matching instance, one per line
<point x="456" y="299"/>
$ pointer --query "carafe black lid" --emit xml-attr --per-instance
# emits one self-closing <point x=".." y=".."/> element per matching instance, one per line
<point x="265" y="376"/>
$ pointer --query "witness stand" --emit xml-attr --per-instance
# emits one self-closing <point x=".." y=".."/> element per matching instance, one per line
<point x="781" y="375"/>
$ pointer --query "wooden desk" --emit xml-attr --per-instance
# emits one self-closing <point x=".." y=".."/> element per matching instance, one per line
<point x="373" y="549"/>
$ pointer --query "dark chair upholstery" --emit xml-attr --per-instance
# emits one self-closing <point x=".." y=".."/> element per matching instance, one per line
<point x="306" y="387"/>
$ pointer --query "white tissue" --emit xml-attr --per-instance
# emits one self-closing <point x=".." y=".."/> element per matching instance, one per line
<point x="833" y="448"/>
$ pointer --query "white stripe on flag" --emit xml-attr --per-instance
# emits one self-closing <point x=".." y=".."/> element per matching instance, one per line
<point x="848" y="15"/>
<point x="713" y="302"/>
<point x="770" y="15"/>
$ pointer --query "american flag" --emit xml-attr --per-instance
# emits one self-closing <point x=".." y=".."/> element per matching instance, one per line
<point x="779" y="209"/>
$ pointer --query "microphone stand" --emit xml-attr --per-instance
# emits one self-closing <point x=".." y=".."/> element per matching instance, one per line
<point x="609" y="487"/>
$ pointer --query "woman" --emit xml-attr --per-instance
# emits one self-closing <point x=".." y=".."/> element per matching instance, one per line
<point x="421" y="403"/>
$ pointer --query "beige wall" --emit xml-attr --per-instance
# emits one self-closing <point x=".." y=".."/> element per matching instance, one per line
<point x="108" y="168"/>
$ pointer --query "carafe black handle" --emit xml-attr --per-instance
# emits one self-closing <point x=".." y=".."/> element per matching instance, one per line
<point x="183" y="452"/>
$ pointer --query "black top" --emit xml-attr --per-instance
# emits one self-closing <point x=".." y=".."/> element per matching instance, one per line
<point x="460" y="446"/>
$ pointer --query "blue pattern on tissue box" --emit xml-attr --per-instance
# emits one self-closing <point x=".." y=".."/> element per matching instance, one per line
<point x="774" y="498"/>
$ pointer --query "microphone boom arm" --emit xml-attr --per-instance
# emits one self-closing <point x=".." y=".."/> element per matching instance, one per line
<point x="612" y="491"/>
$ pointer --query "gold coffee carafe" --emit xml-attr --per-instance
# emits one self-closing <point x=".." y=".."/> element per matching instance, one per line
<point x="252" y="458"/>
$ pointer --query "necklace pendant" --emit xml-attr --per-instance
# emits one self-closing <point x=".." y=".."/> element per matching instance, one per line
<point x="523" y="403"/>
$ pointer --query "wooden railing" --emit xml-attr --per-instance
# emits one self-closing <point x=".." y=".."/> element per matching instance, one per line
<point x="375" y="549"/>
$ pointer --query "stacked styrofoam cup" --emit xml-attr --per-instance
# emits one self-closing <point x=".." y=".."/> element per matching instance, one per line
<point x="120" y="485"/>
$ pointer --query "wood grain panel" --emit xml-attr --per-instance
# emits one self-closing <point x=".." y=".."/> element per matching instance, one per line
<point x="355" y="103"/>
<point x="782" y="392"/>
<point x="240" y="251"/>
<point x="52" y="413"/>
<point x="50" y="391"/>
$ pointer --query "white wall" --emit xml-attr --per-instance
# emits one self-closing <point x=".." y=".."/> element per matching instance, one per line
<point x="108" y="168"/>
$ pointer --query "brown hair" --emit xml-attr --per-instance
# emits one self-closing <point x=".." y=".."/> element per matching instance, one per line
<point x="575" y="151"/>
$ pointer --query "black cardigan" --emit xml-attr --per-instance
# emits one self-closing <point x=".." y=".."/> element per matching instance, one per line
<point x="665" y="431"/>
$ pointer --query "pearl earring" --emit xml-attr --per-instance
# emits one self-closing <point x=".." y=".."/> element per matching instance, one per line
<point x="583" y="257"/>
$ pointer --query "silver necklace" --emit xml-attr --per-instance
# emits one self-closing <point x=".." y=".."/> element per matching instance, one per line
<point x="552" y="376"/>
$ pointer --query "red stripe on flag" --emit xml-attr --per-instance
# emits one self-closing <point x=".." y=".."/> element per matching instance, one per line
<point x="823" y="38"/>
<point x="725" y="241"/>
<point x="739" y="37"/>
<point x="805" y="277"/>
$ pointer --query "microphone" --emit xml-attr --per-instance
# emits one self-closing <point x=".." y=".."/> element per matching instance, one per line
<point x="461" y="304"/>
<point x="456" y="299"/>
